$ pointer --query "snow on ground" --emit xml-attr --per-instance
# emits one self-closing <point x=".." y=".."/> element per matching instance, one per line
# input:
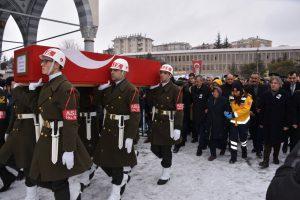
<point x="193" y="178"/>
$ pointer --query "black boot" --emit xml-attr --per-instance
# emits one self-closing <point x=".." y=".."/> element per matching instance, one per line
<point x="244" y="152"/>
<point x="7" y="179"/>
<point x="259" y="154"/>
<point x="264" y="164"/>
<point x="222" y="152"/>
<point x="199" y="151"/>
<point x="233" y="156"/>
<point x="194" y="140"/>
<point x="176" y="148"/>
<point x="276" y="154"/>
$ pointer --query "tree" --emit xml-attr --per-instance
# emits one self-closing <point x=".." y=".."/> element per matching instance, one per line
<point x="247" y="69"/>
<point x="218" y="43"/>
<point x="70" y="44"/>
<point x="226" y="44"/>
<point x="233" y="69"/>
<point x="283" y="67"/>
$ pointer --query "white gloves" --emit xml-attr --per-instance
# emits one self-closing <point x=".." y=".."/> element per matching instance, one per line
<point x="153" y="86"/>
<point x="33" y="86"/>
<point x="176" y="134"/>
<point x="128" y="145"/>
<point x="104" y="86"/>
<point x="68" y="159"/>
<point x="6" y="136"/>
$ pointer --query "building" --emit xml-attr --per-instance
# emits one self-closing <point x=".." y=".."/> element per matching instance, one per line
<point x="251" y="43"/>
<point x="217" y="62"/>
<point x="172" y="46"/>
<point x="132" y="44"/>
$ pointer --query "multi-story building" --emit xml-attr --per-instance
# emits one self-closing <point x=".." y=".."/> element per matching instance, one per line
<point x="219" y="61"/>
<point x="172" y="46"/>
<point x="251" y="43"/>
<point x="132" y="44"/>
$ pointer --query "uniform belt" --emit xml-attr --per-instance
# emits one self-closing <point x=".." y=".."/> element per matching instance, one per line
<point x="26" y="116"/>
<point x="118" y="117"/>
<point x="85" y="114"/>
<point x="163" y="112"/>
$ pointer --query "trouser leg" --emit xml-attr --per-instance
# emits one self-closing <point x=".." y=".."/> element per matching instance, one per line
<point x="233" y="137"/>
<point x="61" y="189"/>
<point x="166" y="156"/>
<point x="156" y="150"/>
<point x="213" y="146"/>
<point x="267" y="152"/>
<point x="115" y="173"/>
<point x="276" y="148"/>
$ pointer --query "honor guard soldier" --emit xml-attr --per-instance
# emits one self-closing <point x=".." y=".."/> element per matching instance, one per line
<point x="167" y="116"/>
<point x="59" y="153"/>
<point x="21" y="134"/>
<point x="120" y="101"/>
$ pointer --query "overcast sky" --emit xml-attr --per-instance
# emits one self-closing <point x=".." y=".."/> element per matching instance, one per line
<point x="193" y="21"/>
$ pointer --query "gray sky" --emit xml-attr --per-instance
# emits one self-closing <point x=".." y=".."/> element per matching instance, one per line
<point x="193" y="21"/>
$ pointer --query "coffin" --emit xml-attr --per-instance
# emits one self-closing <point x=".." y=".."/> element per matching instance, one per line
<point x="83" y="68"/>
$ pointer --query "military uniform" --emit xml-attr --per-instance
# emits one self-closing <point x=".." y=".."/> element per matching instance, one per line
<point x="21" y="140"/>
<point x="119" y="101"/>
<point x="166" y="101"/>
<point x="57" y="104"/>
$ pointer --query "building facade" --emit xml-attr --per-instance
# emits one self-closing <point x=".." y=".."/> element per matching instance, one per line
<point x="217" y="62"/>
<point x="132" y="44"/>
<point x="251" y="42"/>
<point x="172" y="46"/>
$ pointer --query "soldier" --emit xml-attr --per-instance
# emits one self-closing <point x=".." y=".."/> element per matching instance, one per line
<point x="89" y="127"/>
<point x="59" y="154"/>
<point x="115" y="150"/>
<point x="21" y="134"/>
<point x="167" y="114"/>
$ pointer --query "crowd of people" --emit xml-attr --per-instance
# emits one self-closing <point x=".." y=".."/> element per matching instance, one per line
<point x="55" y="135"/>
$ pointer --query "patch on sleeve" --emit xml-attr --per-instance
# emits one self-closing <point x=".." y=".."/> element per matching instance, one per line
<point x="135" y="107"/>
<point x="2" y="114"/>
<point x="70" y="115"/>
<point x="179" y="106"/>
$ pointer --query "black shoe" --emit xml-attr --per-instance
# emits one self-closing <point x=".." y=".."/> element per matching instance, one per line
<point x="211" y="158"/>
<point x="244" y="153"/>
<point x="276" y="161"/>
<point x="176" y="149"/>
<point x="284" y="148"/>
<point x="222" y="152"/>
<point x="264" y="164"/>
<point x="20" y="175"/>
<point x="204" y="148"/>
<point x="232" y="161"/>
<point x="82" y="187"/>
<point x="7" y="179"/>
<point x="199" y="152"/>
<point x="259" y="154"/>
<point x="162" y="182"/>
<point x="79" y="197"/>
<point x="253" y="151"/>
<point x="194" y="140"/>
<point x="124" y="186"/>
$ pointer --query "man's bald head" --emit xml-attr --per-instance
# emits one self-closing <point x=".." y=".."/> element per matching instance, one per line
<point x="229" y="79"/>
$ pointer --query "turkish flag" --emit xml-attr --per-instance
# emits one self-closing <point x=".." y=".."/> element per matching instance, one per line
<point x="197" y="66"/>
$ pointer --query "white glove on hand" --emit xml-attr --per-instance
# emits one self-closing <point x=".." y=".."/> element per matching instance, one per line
<point x="6" y="136"/>
<point x="153" y="86"/>
<point x="68" y="159"/>
<point x="176" y="134"/>
<point x="128" y="145"/>
<point x="104" y="86"/>
<point x="33" y="86"/>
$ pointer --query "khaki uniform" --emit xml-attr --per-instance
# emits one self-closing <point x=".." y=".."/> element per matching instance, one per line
<point x="167" y="98"/>
<point x="121" y="99"/>
<point x="22" y="139"/>
<point x="58" y="103"/>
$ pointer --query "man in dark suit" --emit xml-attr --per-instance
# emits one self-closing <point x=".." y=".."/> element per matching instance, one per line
<point x="291" y="86"/>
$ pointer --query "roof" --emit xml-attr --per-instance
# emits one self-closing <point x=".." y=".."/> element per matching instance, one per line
<point x="283" y="48"/>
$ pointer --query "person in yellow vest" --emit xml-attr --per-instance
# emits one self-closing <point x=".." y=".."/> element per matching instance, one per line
<point x="239" y="116"/>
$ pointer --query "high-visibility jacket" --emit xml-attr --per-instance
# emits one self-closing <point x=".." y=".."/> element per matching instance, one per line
<point x="241" y="112"/>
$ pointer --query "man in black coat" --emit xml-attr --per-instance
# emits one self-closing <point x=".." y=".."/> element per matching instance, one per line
<point x="291" y="86"/>
<point x="226" y="92"/>
<point x="187" y="122"/>
<point x="200" y="93"/>
<point x="256" y="89"/>
<point x="286" y="182"/>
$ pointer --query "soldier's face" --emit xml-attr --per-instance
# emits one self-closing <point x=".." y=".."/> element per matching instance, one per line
<point x="46" y="65"/>
<point x="116" y="75"/>
<point x="164" y="76"/>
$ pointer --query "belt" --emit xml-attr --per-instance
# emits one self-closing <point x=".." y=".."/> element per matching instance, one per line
<point x="163" y="112"/>
<point x="118" y="117"/>
<point x="26" y="116"/>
